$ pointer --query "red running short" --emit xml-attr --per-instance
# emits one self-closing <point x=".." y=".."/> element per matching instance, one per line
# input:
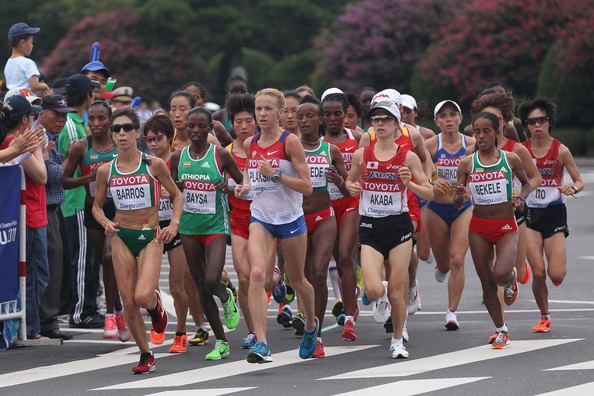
<point x="414" y="210"/>
<point x="240" y="222"/>
<point x="205" y="240"/>
<point x="493" y="229"/>
<point x="312" y="220"/>
<point x="343" y="206"/>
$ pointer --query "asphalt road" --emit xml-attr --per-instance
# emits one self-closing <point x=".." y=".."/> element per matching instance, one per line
<point x="441" y="362"/>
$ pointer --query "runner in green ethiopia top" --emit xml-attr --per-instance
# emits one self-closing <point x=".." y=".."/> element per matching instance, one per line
<point x="200" y="171"/>
<point x="134" y="179"/>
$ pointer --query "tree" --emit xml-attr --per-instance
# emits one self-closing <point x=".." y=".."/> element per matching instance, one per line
<point x="152" y="58"/>
<point x="377" y="42"/>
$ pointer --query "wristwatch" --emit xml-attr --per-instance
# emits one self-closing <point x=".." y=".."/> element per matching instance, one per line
<point x="276" y="177"/>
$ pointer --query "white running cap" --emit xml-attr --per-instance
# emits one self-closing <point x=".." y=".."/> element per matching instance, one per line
<point x="443" y="103"/>
<point x="331" y="91"/>
<point x="391" y="95"/>
<point x="408" y="101"/>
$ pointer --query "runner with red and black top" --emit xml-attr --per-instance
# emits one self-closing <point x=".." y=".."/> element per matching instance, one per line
<point x="334" y="106"/>
<point x="381" y="174"/>
<point x="547" y="214"/>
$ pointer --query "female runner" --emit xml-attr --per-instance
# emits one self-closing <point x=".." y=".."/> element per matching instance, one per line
<point x="88" y="155"/>
<point x="278" y="175"/>
<point x="547" y="214"/>
<point x="324" y="161"/>
<point x="133" y="179"/>
<point x="493" y="230"/>
<point x="204" y="227"/>
<point x="381" y="174"/>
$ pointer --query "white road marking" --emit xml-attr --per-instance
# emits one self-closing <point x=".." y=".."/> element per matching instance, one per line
<point x="452" y="359"/>
<point x="201" y="392"/>
<point x="413" y="387"/>
<point x="578" y="366"/>
<point x="231" y="369"/>
<point x="570" y="302"/>
<point x="583" y="389"/>
<point x="586" y="257"/>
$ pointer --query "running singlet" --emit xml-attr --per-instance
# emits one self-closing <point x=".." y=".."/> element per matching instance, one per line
<point x="318" y="161"/>
<point x="383" y="193"/>
<point x="165" y="206"/>
<point x="273" y="203"/>
<point x="94" y="159"/>
<point x="133" y="190"/>
<point x="446" y="164"/>
<point x="509" y="147"/>
<point x="205" y="209"/>
<point x="492" y="184"/>
<point x="551" y="170"/>
<point x="347" y="148"/>
<point x="244" y="202"/>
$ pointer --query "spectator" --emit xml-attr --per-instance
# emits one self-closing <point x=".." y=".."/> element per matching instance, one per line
<point x="122" y="97"/>
<point x="53" y="118"/>
<point x="21" y="71"/>
<point x="96" y="71"/>
<point x="79" y="95"/>
<point x="17" y="116"/>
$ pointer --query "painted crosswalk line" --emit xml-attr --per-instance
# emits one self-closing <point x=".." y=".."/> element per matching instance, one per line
<point x="451" y="359"/>
<point x="412" y="387"/>
<point x="201" y="392"/>
<point x="589" y="365"/>
<point x="583" y="389"/>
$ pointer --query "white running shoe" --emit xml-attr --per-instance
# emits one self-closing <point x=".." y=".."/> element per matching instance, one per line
<point x="414" y="299"/>
<point x="430" y="259"/>
<point x="381" y="308"/>
<point x="451" y="321"/>
<point x="440" y="277"/>
<point x="405" y="331"/>
<point x="398" y="351"/>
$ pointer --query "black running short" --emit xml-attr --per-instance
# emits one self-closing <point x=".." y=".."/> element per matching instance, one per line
<point x="385" y="233"/>
<point x="90" y="222"/>
<point x="520" y="215"/>
<point x="548" y="221"/>
<point x="175" y="242"/>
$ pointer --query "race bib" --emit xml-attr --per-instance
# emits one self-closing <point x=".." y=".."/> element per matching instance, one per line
<point x="131" y="192"/>
<point x="488" y="188"/>
<point x="200" y="197"/>
<point x="381" y="199"/>
<point x="165" y="209"/>
<point x="318" y="166"/>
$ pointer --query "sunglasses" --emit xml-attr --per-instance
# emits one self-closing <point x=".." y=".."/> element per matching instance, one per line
<point x="537" y="120"/>
<point x="154" y="139"/>
<point x="382" y="117"/>
<point x="115" y="128"/>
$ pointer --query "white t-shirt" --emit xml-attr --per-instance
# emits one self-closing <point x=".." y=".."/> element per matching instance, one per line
<point x="18" y="71"/>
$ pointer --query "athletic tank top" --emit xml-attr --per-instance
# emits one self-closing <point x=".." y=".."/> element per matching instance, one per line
<point x="94" y="159"/>
<point x="133" y="190"/>
<point x="165" y="206"/>
<point x="205" y="210"/>
<point x="244" y="202"/>
<point x="318" y="161"/>
<point x="509" y="147"/>
<point x="383" y="193"/>
<point x="551" y="170"/>
<point x="447" y="163"/>
<point x="492" y="184"/>
<point x="404" y="141"/>
<point x="346" y="148"/>
<point x="273" y="203"/>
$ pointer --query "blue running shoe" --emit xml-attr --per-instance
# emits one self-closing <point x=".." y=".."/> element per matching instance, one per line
<point x="309" y="342"/>
<point x="249" y="341"/>
<point x="340" y="319"/>
<point x="278" y="292"/>
<point x="260" y="353"/>
<point x="364" y="299"/>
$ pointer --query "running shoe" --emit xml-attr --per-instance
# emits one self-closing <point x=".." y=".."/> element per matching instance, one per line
<point x="259" y="353"/>
<point x="122" y="329"/>
<point x="179" y="344"/>
<point x="414" y="299"/>
<point x="299" y="324"/>
<point x="405" y="331"/>
<point x="319" y="352"/>
<point x="309" y="342"/>
<point x="543" y="325"/>
<point x="290" y="294"/>
<point x="158" y="315"/>
<point x="201" y="338"/>
<point x="285" y="316"/>
<point x="364" y="299"/>
<point x="440" y="277"/>
<point x="492" y="337"/>
<point x="230" y="312"/>
<point x="337" y="308"/>
<point x="279" y="292"/>
<point x="220" y="351"/>
<point x="398" y="351"/>
<point x="501" y="340"/>
<point x="110" y="331"/>
<point x="451" y="321"/>
<point x="146" y="364"/>
<point x="510" y="293"/>
<point x="349" y="331"/>
<point x="157" y="338"/>
<point x="388" y="326"/>
<point x="527" y="273"/>
<point x="381" y="309"/>
<point x="340" y="319"/>
<point x="249" y="341"/>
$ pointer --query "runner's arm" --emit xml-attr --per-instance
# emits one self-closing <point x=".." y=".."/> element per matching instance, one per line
<point x="301" y="183"/>
<point x="75" y="156"/>
<point x="352" y="183"/>
<point x="569" y="162"/>
<point x="421" y="186"/>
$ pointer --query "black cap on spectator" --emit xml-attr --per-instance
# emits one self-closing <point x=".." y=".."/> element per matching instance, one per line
<point x="79" y="84"/>
<point x="19" y="106"/>
<point x="21" y="30"/>
<point x="56" y="103"/>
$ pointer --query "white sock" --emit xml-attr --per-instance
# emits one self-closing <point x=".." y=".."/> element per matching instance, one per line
<point x="397" y="341"/>
<point x="502" y="328"/>
<point x="348" y="317"/>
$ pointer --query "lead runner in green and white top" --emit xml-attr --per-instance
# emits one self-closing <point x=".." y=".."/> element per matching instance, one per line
<point x="134" y="180"/>
<point x="200" y="171"/>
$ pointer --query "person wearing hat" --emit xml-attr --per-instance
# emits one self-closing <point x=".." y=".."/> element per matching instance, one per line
<point x="97" y="71"/>
<point x="19" y="70"/>
<point x="380" y="174"/>
<point x="79" y="95"/>
<point x="122" y="97"/>
<point x="52" y="118"/>
<point x="16" y="117"/>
